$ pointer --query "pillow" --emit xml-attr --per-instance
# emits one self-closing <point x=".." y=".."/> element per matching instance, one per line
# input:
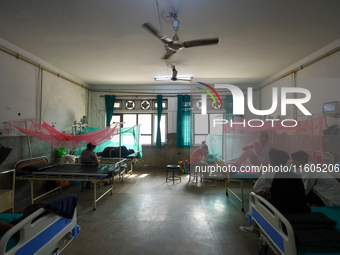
<point x="27" y="170"/>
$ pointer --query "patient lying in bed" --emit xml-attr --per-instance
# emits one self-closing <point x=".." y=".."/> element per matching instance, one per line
<point x="113" y="152"/>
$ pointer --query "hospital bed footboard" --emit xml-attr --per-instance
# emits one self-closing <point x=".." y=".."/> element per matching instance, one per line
<point x="40" y="233"/>
<point x="275" y="230"/>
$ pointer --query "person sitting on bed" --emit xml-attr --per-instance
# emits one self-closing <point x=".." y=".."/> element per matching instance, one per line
<point x="257" y="151"/>
<point x="284" y="190"/>
<point x="88" y="156"/>
<point x="321" y="189"/>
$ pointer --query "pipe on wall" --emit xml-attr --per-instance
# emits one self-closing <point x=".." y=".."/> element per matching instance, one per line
<point x="32" y="62"/>
<point x="41" y="91"/>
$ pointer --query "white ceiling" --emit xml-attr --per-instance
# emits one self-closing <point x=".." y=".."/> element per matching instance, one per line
<point x="102" y="41"/>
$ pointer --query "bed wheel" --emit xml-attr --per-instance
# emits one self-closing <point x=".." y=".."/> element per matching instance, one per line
<point x="263" y="250"/>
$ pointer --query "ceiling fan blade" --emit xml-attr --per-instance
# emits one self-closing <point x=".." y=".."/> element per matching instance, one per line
<point x="168" y="54"/>
<point x="202" y="42"/>
<point x="155" y="32"/>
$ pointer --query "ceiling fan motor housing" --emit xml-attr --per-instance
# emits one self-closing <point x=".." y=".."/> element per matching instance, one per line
<point x="175" y="45"/>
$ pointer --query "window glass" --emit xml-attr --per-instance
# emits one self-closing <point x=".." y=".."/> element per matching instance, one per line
<point x="129" y="120"/>
<point x="115" y="119"/>
<point x="145" y="121"/>
<point x="162" y="125"/>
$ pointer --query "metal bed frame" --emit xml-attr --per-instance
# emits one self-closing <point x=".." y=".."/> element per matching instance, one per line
<point x="132" y="158"/>
<point x="94" y="178"/>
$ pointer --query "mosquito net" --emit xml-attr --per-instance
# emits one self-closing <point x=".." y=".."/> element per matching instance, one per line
<point x="50" y="135"/>
<point x="287" y="135"/>
<point x="130" y="137"/>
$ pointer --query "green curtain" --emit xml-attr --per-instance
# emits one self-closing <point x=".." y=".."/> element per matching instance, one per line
<point x="183" y="137"/>
<point x="109" y="105"/>
<point x="229" y="107"/>
<point x="159" y="116"/>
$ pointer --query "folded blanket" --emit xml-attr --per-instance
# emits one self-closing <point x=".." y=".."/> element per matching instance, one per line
<point x="318" y="240"/>
<point x="314" y="220"/>
<point x="314" y="232"/>
<point x="63" y="206"/>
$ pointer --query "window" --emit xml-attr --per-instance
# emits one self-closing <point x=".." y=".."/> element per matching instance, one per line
<point x="145" y="104"/>
<point x="130" y="105"/>
<point x="164" y="104"/>
<point x="129" y="120"/>
<point x="118" y="105"/>
<point x="115" y="119"/>
<point x="204" y="125"/>
<point x="145" y="120"/>
<point x="148" y="125"/>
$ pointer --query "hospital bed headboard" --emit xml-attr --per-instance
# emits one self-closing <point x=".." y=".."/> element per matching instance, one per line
<point x="271" y="221"/>
<point x="31" y="161"/>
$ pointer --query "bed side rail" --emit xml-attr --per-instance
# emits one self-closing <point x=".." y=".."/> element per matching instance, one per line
<point x="271" y="222"/>
<point x="38" y="233"/>
<point x="30" y="161"/>
<point x="119" y="163"/>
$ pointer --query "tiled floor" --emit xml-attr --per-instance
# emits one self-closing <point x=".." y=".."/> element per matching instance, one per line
<point x="146" y="215"/>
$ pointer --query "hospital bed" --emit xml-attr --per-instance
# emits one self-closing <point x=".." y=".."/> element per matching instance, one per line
<point x="241" y="178"/>
<point x="72" y="172"/>
<point x="131" y="158"/>
<point x="238" y="177"/>
<point x="276" y="232"/>
<point x="40" y="234"/>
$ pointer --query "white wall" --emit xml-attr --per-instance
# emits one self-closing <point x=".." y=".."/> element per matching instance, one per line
<point x="63" y="102"/>
<point x="321" y="78"/>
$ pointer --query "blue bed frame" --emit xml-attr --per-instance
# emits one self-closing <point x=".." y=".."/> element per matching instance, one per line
<point x="271" y="221"/>
<point x="47" y="234"/>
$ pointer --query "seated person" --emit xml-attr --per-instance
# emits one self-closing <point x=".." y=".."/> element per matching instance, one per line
<point x="257" y="151"/>
<point x="88" y="156"/>
<point x="198" y="154"/>
<point x="284" y="190"/>
<point x="320" y="188"/>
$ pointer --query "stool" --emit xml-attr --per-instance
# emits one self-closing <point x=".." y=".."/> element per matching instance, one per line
<point x="173" y="177"/>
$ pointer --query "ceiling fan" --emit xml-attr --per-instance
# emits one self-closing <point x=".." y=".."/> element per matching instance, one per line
<point x="173" y="45"/>
<point x="174" y="77"/>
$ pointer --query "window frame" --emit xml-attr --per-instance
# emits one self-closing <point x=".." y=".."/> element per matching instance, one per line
<point x="153" y="134"/>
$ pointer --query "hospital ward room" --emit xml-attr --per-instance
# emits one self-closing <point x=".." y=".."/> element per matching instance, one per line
<point x="170" y="127"/>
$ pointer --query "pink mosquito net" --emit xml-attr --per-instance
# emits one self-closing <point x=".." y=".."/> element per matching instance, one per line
<point x="306" y="135"/>
<point x="50" y="135"/>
